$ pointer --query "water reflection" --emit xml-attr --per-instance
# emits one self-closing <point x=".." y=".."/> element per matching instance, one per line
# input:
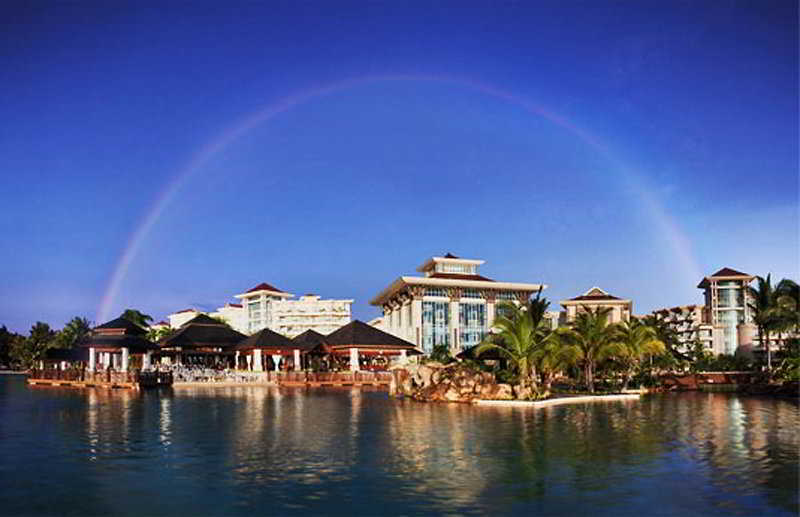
<point x="238" y="450"/>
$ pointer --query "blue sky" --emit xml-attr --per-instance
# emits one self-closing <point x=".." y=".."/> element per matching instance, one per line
<point x="664" y="144"/>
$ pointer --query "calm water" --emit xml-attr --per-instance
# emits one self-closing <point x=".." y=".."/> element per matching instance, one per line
<point x="246" y="451"/>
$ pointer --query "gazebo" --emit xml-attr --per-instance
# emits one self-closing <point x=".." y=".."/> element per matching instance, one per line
<point x="112" y="344"/>
<point x="265" y="346"/>
<point x="358" y="341"/>
<point x="202" y="340"/>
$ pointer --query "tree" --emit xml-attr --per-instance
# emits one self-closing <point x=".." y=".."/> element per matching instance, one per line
<point x="766" y="312"/>
<point x="788" y="300"/>
<point x="157" y="334"/>
<point x="75" y="331"/>
<point x="29" y="350"/>
<point x="666" y="333"/>
<point x="589" y="340"/>
<point x="137" y="317"/>
<point x="7" y="340"/>
<point x="635" y="341"/>
<point x="522" y="333"/>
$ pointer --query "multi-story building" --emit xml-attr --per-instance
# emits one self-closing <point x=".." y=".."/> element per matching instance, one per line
<point x="450" y="305"/>
<point x="691" y="325"/>
<point x="177" y="319"/>
<point x="725" y="323"/>
<point x="265" y="306"/>
<point x="233" y="314"/>
<point x="595" y="298"/>
<point x="728" y="303"/>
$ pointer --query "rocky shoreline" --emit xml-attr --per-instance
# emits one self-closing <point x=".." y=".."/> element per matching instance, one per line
<point x="435" y="382"/>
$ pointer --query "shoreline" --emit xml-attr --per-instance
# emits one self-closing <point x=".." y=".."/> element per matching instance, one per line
<point x="558" y="401"/>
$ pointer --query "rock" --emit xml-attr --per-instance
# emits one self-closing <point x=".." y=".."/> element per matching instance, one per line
<point x="503" y="392"/>
<point x="523" y="392"/>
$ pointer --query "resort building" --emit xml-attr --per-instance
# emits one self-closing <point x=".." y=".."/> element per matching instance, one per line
<point x="724" y="324"/>
<point x="266" y="306"/>
<point x="691" y="325"/>
<point x="450" y="305"/>
<point x="177" y="319"/>
<point x="595" y="298"/>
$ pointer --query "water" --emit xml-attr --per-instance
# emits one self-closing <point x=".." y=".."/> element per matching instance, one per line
<point x="256" y="450"/>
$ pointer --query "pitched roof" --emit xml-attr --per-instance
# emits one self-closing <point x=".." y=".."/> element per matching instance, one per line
<point x="135" y="343"/>
<point x="358" y="333"/>
<point x="266" y="338"/>
<point x="187" y="310"/>
<point x="201" y="333"/>
<point x="458" y="276"/>
<point x="122" y="324"/>
<point x="450" y="255"/>
<point x="263" y="286"/>
<point x="203" y="319"/>
<point x="594" y="294"/>
<point x="724" y="272"/>
<point x="309" y="339"/>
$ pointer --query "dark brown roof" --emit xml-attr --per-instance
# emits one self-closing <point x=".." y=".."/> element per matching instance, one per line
<point x="263" y="286"/>
<point x="136" y="344"/>
<point x="202" y="319"/>
<point x="724" y="272"/>
<point x="457" y="276"/>
<point x="593" y="297"/>
<point x="67" y="354"/>
<point x="357" y="333"/>
<point x="309" y="340"/>
<point x="450" y="255"/>
<point x="194" y="335"/>
<point x="266" y="338"/>
<point x="234" y="305"/>
<point x="121" y="324"/>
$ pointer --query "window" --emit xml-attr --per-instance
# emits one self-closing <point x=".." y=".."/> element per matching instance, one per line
<point x="471" y="293"/>
<point x="471" y="323"/>
<point x="506" y="295"/>
<point x="435" y="321"/>
<point x="435" y="291"/>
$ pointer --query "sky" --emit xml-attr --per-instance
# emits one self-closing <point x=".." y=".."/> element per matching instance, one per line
<point x="167" y="157"/>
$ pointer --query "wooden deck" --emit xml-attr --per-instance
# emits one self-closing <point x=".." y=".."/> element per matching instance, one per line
<point x="82" y="384"/>
<point x="338" y="379"/>
<point x="113" y="380"/>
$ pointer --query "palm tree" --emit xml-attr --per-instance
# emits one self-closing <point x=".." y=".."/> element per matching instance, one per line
<point x="137" y="317"/>
<point x="635" y="340"/>
<point x="788" y="300"/>
<point x="521" y="335"/>
<point x="74" y="332"/>
<point x="766" y="312"/>
<point x="588" y="340"/>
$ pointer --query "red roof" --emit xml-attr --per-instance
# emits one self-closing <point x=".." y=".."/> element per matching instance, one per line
<point x="186" y="310"/>
<point x="234" y="305"/>
<point x="263" y="286"/>
<point x="457" y="276"/>
<point x="726" y="271"/>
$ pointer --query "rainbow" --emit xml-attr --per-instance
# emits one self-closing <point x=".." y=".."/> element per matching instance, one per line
<point x="678" y="241"/>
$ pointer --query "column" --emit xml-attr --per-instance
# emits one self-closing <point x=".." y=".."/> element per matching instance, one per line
<point x="416" y="318"/>
<point x="354" y="367"/>
<point x="491" y="298"/>
<point x="146" y="360"/>
<point x="249" y="359"/>
<point x="452" y="327"/>
<point x="257" y="364"/>
<point x="276" y="358"/>
<point x="125" y="359"/>
<point x="92" y="359"/>
<point x="236" y="360"/>
<point x="403" y="357"/>
<point x="296" y="360"/>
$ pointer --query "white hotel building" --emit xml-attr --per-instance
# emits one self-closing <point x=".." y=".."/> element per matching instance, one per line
<point x="450" y="305"/>
<point x="265" y="306"/>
